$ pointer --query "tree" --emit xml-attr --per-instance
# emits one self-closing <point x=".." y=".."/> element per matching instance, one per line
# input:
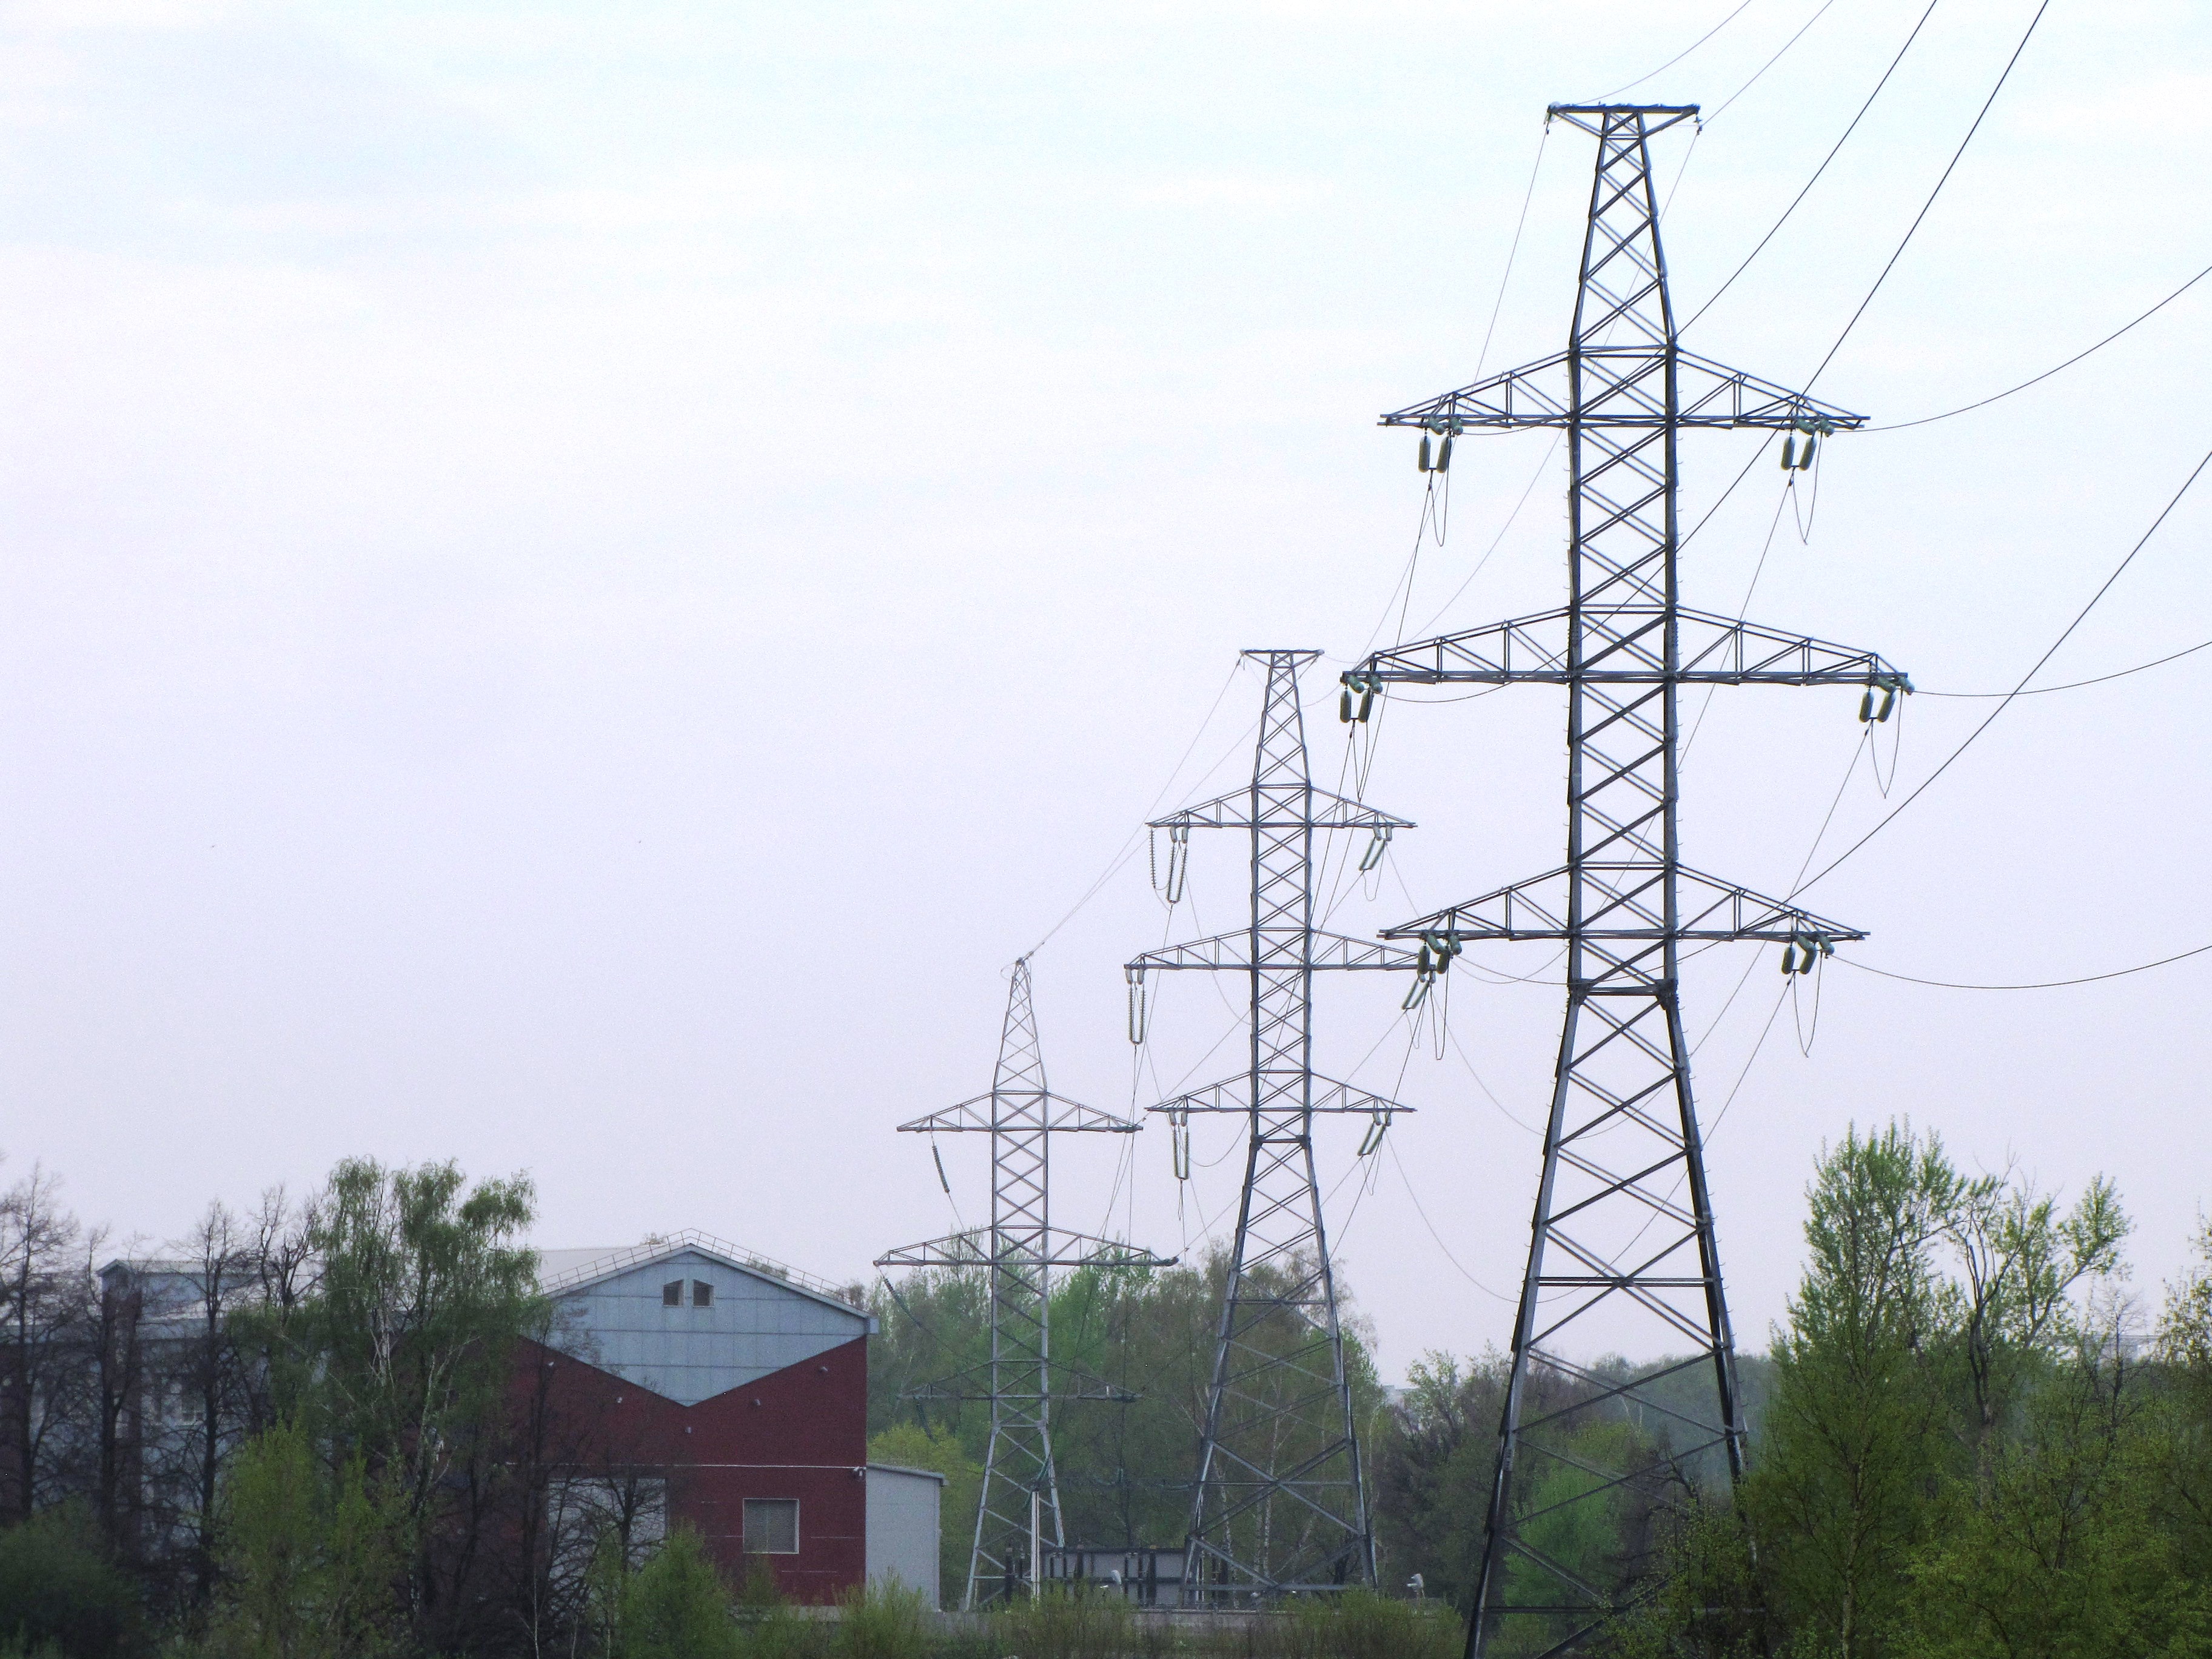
<point x="1433" y="1458"/>
<point x="400" y="1356"/>
<point x="1852" y="1445"/>
<point x="673" y="1606"/>
<point x="47" y="1333"/>
<point x="310" y="1555"/>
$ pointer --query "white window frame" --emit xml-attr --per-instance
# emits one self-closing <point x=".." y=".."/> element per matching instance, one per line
<point x="745" y="1515"/>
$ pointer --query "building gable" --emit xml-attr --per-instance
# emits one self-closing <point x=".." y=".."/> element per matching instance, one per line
<point x="750" y="1321"/>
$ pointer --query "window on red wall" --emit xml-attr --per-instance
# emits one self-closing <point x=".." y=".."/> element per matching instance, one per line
<point x="771" y="1525"/>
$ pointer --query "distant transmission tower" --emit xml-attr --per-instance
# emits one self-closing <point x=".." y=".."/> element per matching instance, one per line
<point x="1018" y="1515"/>
<point x="1280" y="1506"/>
<point x="1623" y="1230"/>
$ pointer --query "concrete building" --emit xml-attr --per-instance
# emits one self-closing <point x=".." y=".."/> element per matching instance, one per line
<point x="694" y="1382"/>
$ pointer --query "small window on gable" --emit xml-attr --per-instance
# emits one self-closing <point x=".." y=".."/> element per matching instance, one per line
<point x="703" y="1294"/>
<point x="771" y="1525"/>
<point x="672" y="1294"/>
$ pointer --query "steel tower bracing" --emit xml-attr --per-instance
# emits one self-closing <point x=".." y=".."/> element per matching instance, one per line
<point x="1279" y="1504"/>
<point x="1019" y="1515"/>
<point x="1622" y="1256"/>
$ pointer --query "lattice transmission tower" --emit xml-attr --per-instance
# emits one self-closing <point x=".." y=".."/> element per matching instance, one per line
<point x="1279" y="1504"/>
<point x="1622" y="1257"/>
<point x="1018" y="1515"/>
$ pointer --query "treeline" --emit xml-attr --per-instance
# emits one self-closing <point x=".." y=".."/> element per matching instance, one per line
<point x="1981" y="1441"/>
<point x="1125" y="1470"/>
<point x="1972" y="1437"/>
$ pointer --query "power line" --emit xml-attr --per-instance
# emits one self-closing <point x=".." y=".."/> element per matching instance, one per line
<point x="2075" y="685"/>
<point x="1891" y="817"/>
<point x="1817" y="171"/>
<point x="1900" y="426"/>
<point x="2038" y="985"/>
<point x="1678" y="55"/>
<point x="1955" y="156"/>
<point x="1767" y="65"/>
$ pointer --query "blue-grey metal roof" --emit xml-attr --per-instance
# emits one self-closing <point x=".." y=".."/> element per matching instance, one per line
<point x="764" y="1316"/>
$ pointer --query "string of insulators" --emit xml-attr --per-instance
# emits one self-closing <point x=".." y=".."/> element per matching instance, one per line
<point x="1377" y="845"/>
<point x="939" y="1157"/>
<point x="1136" y="978"/>
<point x="1377" y="1128"/>
<point x="1436" y="457"/>
<point x="1434" y="960"/>
<point x="1812" y="428"/>
<point x="1179" y="1143"/>
<point x="1362" y="686"/>
<point x="1889" y="685"/>
<point x="1178" y="860"/>
<point x="1803" y="952"/>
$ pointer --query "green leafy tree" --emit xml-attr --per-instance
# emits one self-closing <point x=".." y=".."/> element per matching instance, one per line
<point x="1854" y="1435"/>
<point x="311" y="1556"/>
<point x="674" y="1606"/>
<point x="401" y="1358"/>
<point x="61" y="1593"/>
<point x="2053" y="1543"/>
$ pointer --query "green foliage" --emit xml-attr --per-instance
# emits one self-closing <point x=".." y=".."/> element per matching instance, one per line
<point x="60" y="1592"/>
<point x="882" y="1621"/>
<point x="402" y="1353"/>
<point x="1433" y="1453"/>
<point x="1065" y="1625"/>
<point x="1154" y="1332"/>
<point x="310" y="1556"/>
<point x="1711" y="1605"/>
<point x="1957" y="1461"/>
<point x="1851" y="1446"/>
<point x="400" y="1360"/>
<point x="1361" y="1625"/>
<point x="675" y="1605"/>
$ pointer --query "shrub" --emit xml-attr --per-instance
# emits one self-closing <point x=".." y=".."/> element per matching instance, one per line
<point x="675" y="1605"/>
<point x="1067" y="1625"/>
<point x="883" y="1621"/>
<point x="58" y="1591"/>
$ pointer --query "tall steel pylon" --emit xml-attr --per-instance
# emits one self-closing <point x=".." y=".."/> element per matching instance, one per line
<point x="1017" y="1514"/>
<point x="1279" y="1504"/>
<point x="1622" y="1256"/>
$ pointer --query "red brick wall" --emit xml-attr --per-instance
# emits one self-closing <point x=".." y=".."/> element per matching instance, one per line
<point x="801" y="1432"/>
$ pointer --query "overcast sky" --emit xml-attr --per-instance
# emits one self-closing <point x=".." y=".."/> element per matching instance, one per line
<point x="580" y="579"/>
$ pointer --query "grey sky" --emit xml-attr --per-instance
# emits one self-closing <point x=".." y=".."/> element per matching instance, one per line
<point x="578" y="580"/>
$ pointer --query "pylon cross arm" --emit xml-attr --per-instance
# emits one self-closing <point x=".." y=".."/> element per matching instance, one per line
<point x="1623" y="386"/>
<point x="974" y="1249"/>
<point x="1631" y="907"/>
<point x="1018" y="1111"/>
<point x="1270" y="807"/>
<point x="1631" y="648"/>
<point x="1294" y="949"/>
<point x="1235" y="1095"/>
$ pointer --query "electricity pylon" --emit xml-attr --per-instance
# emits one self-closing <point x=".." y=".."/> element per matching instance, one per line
<point x="1017" y="1514"/>
<point x="1622" y="1256"/>
<point x="1279" y="1504"/>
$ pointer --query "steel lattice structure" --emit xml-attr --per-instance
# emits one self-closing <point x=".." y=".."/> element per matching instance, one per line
<point x="1279" y="1504"/>
<point x="1017" y="1514"/>
<point x="1623" y="1229"/>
